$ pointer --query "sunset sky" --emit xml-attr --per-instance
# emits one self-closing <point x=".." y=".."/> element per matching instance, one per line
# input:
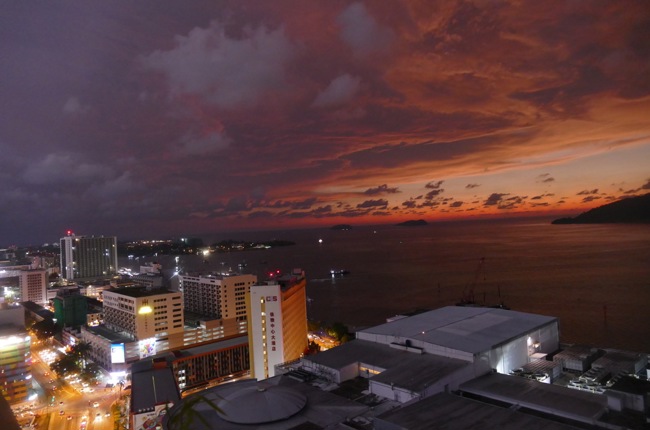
<point x="146" y="118"/>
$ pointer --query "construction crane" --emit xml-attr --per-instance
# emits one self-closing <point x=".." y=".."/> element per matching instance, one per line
<point x="468" y="292"/>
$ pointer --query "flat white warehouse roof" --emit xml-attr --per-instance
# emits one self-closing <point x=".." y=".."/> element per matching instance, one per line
<point x="468" y="329"/>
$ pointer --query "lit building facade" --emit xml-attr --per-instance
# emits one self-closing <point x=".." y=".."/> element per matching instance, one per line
<point x="87" y="257"/>
<point x="277" y="329"/>
<point x="220" y="296"/>
<point x="211" y="363"/>
<point x="143" y="313"/>
<point x="15" y="354"/>
<point x="33" y="286"/>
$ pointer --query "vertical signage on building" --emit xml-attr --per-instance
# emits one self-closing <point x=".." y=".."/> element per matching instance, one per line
<point x="273" y="317"/>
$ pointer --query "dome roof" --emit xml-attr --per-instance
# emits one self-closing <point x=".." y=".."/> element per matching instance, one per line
<point x="261" y="404"/>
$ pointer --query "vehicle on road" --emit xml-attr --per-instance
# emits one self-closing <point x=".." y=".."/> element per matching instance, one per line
<point x="96" y="405"/>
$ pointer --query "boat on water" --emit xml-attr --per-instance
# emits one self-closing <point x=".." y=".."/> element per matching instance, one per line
<point x="339" y="272"/>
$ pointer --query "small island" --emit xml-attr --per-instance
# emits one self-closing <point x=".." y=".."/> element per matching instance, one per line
<point x="412" y="223"/>
<point x="341" y="227"/>
<point x="630" y="210"/>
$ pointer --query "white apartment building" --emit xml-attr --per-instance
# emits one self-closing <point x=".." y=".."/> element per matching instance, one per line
<point x="220" y="296"/>
<point x="277" y="324"/>
<point x="84" y="257"/>
<point x="143" y="313"/>
<point x="33" y="285"/>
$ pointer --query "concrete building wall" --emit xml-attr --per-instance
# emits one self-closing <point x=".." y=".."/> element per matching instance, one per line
<point x="294" y="320"/>
<point x="265" y="341"/>
<point x="85" y="257"/>
<point x="144" y="316"/>
<point x="33" y="286"/>
<point x="217" y="296"/>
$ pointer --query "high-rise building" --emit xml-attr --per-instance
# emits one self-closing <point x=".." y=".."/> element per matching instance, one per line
<point x="15" y="354"/>
<point x="33" y="286"/>
<point x="143" y="313"/>
<point x="277" y="323"/>
<point x="220" y="296"/>
<point x="87" y="257"/>
<point x="70" y="307"/>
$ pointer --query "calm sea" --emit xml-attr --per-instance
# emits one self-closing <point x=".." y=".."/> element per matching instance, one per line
<point x="595" y="278"/>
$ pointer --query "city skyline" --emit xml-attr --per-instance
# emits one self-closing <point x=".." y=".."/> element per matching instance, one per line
<point x="164" y="119"/>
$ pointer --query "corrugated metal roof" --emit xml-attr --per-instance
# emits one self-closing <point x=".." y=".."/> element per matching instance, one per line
<point x="151" y="388"/>
<point x="446" y="411"/>
<point x="467" y="329"/>
<point x="547" y="398"/>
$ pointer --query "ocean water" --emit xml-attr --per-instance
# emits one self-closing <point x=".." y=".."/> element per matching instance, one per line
<point x="594" y="278"/>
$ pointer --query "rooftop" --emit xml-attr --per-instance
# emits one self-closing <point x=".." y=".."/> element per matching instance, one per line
<point x="140" y="291"/>
<point x="298" y="405"/>
<point x="576" y="405"/>
<point x="110" y="335"/>
<point x="153" y="387"/>
<point x="448" y="411"/>
<point x="467" y="329"/>
<point x="405" y="369"/>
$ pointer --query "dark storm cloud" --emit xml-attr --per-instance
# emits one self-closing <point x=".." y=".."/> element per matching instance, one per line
<point x="65" y="168"/>
<point x="339" y="92"/>
<point x="511" y="202"/>
<point x="226" y="71"/>
<point x="642" y="188"/>
<point x="545" y="178"/>
<point x="119" y="115"/>
<point x="320" y="212"/>
<point x="260" y="214"/>
<point x="587" y="192"/>
<point x="361" y="32"/>
<point x="373" y="204"/>
<point x="589" y="199"/>
<point x="409" y="204"/>
<point x="297" y="205"/>
<point x="381" y="189"/>
<point x="646" y="186"/>
<point x="494" y="199"/>
<point x="434" y="185"/>
<point x="433" y="194"/>
<point x="456" y="204"/>
<point x="393" y="156"/>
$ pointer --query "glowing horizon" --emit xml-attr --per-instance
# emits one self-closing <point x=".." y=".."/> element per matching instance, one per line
<point x="239" y="116"/>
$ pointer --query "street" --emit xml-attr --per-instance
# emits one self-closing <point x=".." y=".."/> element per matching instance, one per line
<point x="68" y="404"/>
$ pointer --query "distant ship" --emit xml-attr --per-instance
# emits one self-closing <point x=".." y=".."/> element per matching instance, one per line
<point x="339" y="272"/>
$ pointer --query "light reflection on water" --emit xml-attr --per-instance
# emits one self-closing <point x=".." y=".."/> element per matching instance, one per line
<point x="595" y="278"/>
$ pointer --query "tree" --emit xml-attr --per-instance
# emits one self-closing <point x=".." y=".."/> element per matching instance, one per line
<point x="90" y="372"/>
<point x="339" y="331"/>
<point x="44" y="329"/>
<point x="65" y="364"/>
<point x="80" y="352"/>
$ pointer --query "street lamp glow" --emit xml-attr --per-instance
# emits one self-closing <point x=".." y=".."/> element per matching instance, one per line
<point x="145" y="310"/>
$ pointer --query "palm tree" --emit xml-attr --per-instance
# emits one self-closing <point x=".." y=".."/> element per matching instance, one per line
<point x="80" y="352"/>
<point x="65" y="364"/>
